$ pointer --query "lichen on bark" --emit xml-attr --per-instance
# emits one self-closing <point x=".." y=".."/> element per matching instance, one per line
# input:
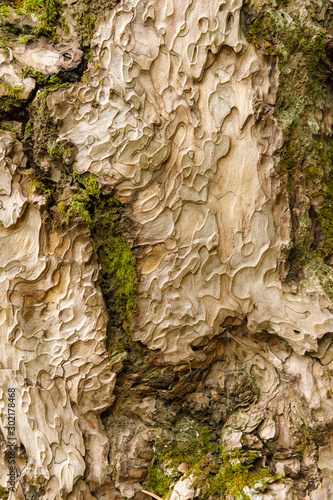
<point x="301" y="41"/>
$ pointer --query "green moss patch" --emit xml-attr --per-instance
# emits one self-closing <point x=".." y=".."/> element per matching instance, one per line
<point x="48" y="12"/>
<point x="3" y="493"/>
<point x="104" y="215"/>
<point x="299" y="44"/>
<point x="12" y="98"/>
<point x="77" y="198"/>
<point x="214" y="470"/>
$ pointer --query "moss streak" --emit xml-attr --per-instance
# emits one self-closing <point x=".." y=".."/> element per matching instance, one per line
<point x="299" y="44"/>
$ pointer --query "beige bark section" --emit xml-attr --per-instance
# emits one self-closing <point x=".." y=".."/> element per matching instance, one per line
<point x="178" y="119"/>
<point x="52" y="332"/>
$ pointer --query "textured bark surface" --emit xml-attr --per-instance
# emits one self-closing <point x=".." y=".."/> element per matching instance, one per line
<point x="172" y="129"/>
